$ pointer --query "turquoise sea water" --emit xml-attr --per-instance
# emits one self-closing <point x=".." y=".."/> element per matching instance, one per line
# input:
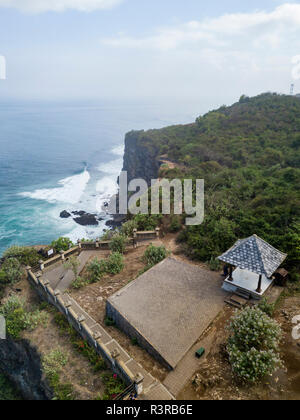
<point x="56" y="157"/>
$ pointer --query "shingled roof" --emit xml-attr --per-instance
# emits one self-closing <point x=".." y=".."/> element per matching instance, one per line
<point x="254" y="254"/>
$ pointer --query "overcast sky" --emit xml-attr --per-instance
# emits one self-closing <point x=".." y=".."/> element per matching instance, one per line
<point x="187" y="51"/>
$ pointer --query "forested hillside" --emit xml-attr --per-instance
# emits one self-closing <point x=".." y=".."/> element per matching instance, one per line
<point x="249" y="156"/>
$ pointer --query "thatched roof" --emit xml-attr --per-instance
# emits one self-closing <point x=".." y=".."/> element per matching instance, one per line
<point x="254" y="254"/>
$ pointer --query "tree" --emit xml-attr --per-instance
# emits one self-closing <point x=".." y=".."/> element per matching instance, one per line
<point x="62" y="244"/>
<point x="253" y="345"/>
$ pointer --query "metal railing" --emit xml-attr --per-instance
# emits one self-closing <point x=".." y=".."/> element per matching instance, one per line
<point x="130" y="390"/>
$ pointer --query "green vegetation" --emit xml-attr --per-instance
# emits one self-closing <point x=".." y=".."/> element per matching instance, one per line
<point x="109" y="322"/>
<point x="128" y="228"/>
<point x="96" y="269"/>
<point x="53" y="363"/>
<point x="62" y="244"/>
<point x="249" y="156"/>
<point x="113" y="384"/>
<point x="118" y="243"/>
<point x="19" y="319"/>
<point x="154" y="255"/>
<point x="145" y="222"/>
<point x="10" y="273"/>
<point x="266" y="307"/>
<point x="25" y="255"/>
<point x="253" y="346"/>
<point x="114" y="264"/>
<point x="175" y="225"/>
<point x="7" y="390"/>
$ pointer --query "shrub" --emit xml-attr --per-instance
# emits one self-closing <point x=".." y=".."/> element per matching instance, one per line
<point x="214" y="264"/>
<point x="53" y="362"/>
<point x="52" y="365"/>
<point x="109" y="322"/>
<point x="175" y="225"/>
<point x="147" y="222"/>
<point x="14" y="314"/>
<point x="118" y="244"/>
<point x="113" y="385"/>
<point x="128" y="228"/>
<point x="253" y="345"/>
<point x="115" y="263"/>
<point x="18" y="319"/>
<point x="266" y="307"/>
<point x="12" y="270"/>
<point x="80" y="282"/>
<point x="36" y="318"/>
<point x="96" y="269"/>
<point x="155" y="255"/>
<point x="25" y="255"/>
<point x="62" y="244"/>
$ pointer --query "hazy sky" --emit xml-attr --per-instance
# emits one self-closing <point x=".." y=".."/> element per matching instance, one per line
<point x="173" y="51"/>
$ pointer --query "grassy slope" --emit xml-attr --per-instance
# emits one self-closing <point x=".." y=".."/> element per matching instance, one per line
<point x="249" y="156"/>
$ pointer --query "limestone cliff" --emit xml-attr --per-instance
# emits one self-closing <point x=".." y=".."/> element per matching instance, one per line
<point x="140" y="157"/>
<point x="21" y="363"/>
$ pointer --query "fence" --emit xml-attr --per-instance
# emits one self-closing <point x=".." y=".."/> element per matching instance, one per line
<point x="115" y="357"/>
<point x="95" y="245"/>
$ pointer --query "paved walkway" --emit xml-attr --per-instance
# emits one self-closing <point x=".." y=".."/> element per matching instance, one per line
<point x="177" y="379"/>
<point x="61" y="279"/>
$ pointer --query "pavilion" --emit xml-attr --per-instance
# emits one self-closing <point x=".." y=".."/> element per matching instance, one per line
<point x="255" y="262"/>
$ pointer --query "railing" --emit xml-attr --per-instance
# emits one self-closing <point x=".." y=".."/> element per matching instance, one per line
<point x="97" y="246"/>
<point x="128" y="391"/>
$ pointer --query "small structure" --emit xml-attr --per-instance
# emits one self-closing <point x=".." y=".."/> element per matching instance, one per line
<point x="255" y="261"/>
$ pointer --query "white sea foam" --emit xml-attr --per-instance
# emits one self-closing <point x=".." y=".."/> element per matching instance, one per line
<point x="70" y="190"/>
<point x="113" y="168"/>
<point x="118" y="150"/>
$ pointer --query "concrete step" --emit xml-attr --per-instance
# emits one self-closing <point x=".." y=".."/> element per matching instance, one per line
<point x="231" y="303"/>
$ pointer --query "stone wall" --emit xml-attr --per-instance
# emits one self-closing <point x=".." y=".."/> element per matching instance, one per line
<point x="129" y="330"/>
<point x="87" y="328"/>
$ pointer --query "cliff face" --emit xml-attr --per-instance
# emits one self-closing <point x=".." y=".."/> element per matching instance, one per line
<point x="21" y="363"/>
<point x="141" y="157"/>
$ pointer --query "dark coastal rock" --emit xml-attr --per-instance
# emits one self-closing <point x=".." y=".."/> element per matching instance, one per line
<point x="87" y="219"/>
<point x="21" y="363"/>
<point x="117" y="221"/>
<point x="65" y="215"/>
<point x="79" y="213"/>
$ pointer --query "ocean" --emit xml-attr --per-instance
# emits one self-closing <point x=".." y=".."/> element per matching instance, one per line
<point x="56" y="157"/>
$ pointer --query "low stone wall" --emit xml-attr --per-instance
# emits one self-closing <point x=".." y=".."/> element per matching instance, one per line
<point x="132" y="332"/>
<point x="87" y="328"/>
<point x="95" y="245"/>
